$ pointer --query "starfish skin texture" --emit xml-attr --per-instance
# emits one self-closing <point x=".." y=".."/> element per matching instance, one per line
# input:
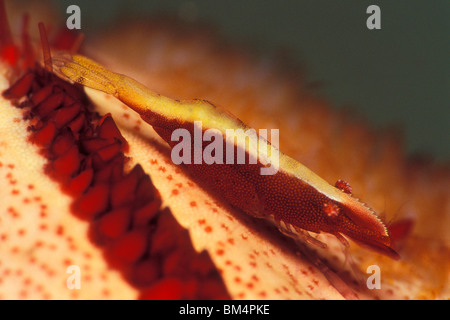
<point x="41" y="237"/>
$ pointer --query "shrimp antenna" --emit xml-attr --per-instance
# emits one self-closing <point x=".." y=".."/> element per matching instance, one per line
<point x="45" y="48"/>
<point x="5" y="32"/>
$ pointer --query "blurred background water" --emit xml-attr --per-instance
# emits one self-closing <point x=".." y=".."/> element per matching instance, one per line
<point x="399" y="75"/>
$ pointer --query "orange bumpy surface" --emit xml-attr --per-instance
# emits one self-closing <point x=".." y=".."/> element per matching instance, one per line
<point x="40" y="237"/>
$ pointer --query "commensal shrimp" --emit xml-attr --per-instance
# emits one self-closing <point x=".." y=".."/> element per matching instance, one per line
<point x="297" y="200"/>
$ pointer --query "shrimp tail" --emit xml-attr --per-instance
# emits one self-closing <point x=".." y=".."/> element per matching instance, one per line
<point x="85" y="72"/>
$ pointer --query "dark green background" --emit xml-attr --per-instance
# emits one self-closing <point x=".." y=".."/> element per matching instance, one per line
<point x="396" y="75"/>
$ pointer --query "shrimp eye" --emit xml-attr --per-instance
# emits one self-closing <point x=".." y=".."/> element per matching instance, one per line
<point x="331" y="209"/>
<point x="344" y="186"/>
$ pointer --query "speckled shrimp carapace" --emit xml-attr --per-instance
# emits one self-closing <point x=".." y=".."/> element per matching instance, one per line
<point x="295" y="198"/>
